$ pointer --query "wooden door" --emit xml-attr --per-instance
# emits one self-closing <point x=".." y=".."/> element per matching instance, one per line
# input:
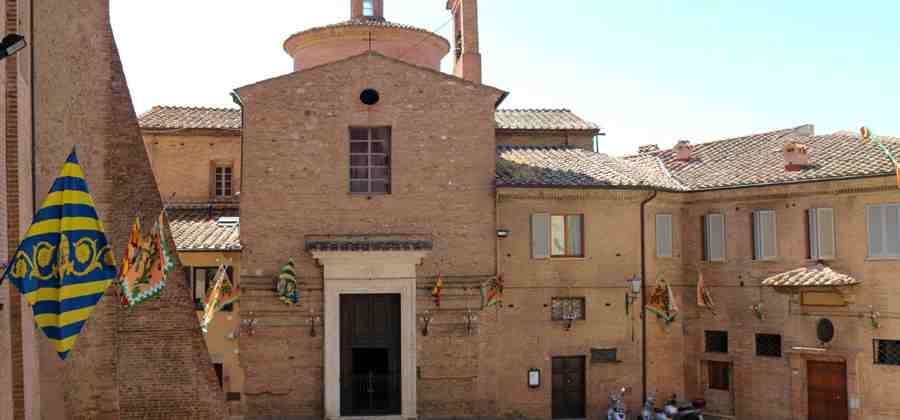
<point x="568" y="388"/>
<point x="370" y="355"/>
<point x="827" y="390"/>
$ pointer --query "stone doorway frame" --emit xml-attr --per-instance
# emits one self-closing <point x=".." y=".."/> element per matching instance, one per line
<point x="799" y="381"/>
<point x="370" y="272"/>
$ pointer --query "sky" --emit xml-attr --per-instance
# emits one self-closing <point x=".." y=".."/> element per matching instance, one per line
<point x="649" y="72"/>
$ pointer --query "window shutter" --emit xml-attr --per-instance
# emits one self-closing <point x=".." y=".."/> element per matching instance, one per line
<point x="825" y="237"/>
<point x="663" y="235"/>
<point x="892" y="230"/>
<point x="764" y="235"/>
<point x="812" y="233"/>
<point x="876" y="231"/>
<point x="540" y="236"/>
<point x="715" y="237"/>
<point x="574" y="234"/>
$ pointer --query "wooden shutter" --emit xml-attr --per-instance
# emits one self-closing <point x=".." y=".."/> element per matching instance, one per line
<point x="764" y="235"/>
<point x="876" y="231"/>
<point x="540" y="236"/>
<point x="892" y="231"/>
<point x="663" y="235"/>
<point x="824" y="232"/>
<point x="715" y="237"/>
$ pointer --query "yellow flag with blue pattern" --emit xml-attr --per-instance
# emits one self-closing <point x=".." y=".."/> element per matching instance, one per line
<point x="64" y="264"/>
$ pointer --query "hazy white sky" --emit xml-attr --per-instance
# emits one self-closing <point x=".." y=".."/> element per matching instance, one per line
<point x="649" y="72"/>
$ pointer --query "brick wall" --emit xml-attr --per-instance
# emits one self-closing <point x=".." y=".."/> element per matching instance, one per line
<point x="442" y="186"/>
<point x="183" y="163"/>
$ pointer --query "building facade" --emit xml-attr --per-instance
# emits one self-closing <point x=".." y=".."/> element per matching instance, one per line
<point x="381" y="177"/>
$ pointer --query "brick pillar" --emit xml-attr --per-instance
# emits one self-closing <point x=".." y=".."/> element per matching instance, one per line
<point x="465" y="36"/>
<point x="13" y="228"/>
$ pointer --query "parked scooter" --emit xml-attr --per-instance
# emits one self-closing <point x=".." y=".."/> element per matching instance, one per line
<point x="617" y="409"/>
<point x="672" y="410"/>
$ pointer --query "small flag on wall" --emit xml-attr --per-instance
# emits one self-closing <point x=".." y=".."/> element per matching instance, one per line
<point x="64" y="264"/>
<point x="438" y="290"/>
<point x="704" y="298"/>
<point x="492" y="293"/>
<point x="287" y="284"/>
<point x="662" y="302"/>
<point x="146" y="264"/>
<point x="222" y="294"/>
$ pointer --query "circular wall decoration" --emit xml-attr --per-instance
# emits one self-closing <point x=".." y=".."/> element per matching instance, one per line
<point x="369" y="97"/>
<point x="825" y="330"/>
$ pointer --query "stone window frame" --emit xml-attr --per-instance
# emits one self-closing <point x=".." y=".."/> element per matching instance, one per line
<point x="871" y="254"/>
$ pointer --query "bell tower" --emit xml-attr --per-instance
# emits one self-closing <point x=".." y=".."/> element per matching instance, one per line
<point x="367" y="9"/>
<point x="467" y="64"/>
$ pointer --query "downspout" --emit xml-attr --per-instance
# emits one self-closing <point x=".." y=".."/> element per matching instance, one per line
<point x="33" y="65"/>
<point x="644" y="297"/>
<point x="237" y="100"/>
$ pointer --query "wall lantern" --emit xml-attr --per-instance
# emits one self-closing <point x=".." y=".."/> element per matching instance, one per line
<point x="426" y="321"/>
<point x="314" y="319"/>
<point x="471" y="317"/>
<point x="502" y="233"/>
<point x="11" y="44"/>
<point x="534" y="378"/>
<point x="633" y="293"/>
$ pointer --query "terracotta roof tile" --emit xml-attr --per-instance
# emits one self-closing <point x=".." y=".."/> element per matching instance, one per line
<point x="174" y="117"/>
<point x="562" y="166"/>
<point x="363" y="22"/>
<point x="757" y="160"/>
<point x="816" y="276"/>
<point x="541" y="119"/>
<point x="201" y="227"/>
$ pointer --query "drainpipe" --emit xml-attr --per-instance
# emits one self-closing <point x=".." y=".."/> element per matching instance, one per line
<point x="237" y="100"/>
<point x="644" y="297"/>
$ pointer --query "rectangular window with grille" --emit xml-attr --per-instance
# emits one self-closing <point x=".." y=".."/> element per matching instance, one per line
<point x="224" y="175"/>
<point x="368" y="7"/>
<point x="370" y="160"/>
<point x="887" y="352"/>
<point x="719" y="375"/>
<point x="768" y="345"/>
<point x="564" y="308"/>
<point x="717" y="341"/>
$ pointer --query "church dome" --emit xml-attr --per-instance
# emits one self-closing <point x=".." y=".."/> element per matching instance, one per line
<point x="326" y="44"/>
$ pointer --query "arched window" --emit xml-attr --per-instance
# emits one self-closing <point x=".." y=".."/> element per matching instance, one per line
<point x="368" y="7"/>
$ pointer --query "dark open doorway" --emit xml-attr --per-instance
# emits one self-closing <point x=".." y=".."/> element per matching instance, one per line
<point x="370" y="355"/>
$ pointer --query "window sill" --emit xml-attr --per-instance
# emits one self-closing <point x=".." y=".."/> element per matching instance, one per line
<point x="560" y="259"/>
<point x="897" y="258"/>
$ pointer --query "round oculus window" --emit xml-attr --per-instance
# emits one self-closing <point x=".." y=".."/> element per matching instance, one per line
<point x="369" y="97"/>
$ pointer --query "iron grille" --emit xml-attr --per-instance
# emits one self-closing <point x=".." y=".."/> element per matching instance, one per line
<point x="768" y="345"/>
<point x="717" y="341"/>
<point x="565" y="308"/>
<point x="887" y="352"/>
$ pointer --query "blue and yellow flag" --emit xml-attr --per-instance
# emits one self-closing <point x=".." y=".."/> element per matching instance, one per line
<point x="64" y="264"/>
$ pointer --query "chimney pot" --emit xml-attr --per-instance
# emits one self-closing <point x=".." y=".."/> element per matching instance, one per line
<point x="648" y="149"/>
<point x="796" y="156"/>
<point x="683" y="150"/>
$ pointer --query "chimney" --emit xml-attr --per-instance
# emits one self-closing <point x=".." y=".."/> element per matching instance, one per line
<point x="796" y="156"/>
<point x="467" y="64"/>
<point x="367" y="9"/>
<point x="683" y="150"/>
<point x="648" y="149"/>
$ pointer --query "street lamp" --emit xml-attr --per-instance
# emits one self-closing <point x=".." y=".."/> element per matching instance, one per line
<point x="11" y="44"/>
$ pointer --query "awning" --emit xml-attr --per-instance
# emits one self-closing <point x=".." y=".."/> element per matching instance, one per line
<point x="818" y="275"/>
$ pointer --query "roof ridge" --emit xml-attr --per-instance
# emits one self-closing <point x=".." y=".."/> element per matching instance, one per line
<point x="534" y="110"/>
<point x="192" y="107"/>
